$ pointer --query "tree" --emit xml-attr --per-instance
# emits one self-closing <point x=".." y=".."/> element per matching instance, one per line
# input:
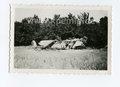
<point x="104" y="29"/>
<point x="91" y="19"/>
<point x="27" y="30"/>
<point x="62" y="28"/>
<point x="84" y="17"/>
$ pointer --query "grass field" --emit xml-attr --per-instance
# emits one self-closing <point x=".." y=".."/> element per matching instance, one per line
<point x="34" y="58"/>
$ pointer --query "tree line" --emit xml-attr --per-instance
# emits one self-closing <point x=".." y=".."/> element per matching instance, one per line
<point x="62" y="28"/>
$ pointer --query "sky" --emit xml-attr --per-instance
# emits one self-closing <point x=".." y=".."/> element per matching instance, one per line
<point x="21" y="13"/>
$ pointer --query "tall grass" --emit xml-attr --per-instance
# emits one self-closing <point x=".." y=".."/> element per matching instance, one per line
<point x="34" y="58"/>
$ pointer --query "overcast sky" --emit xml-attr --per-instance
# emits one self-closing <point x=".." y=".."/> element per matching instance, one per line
<point x="21" y="13"/>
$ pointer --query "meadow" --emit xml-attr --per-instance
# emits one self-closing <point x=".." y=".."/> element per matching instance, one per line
<point x="27" y="57"/>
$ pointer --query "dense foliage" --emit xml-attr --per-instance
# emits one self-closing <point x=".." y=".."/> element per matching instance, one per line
<point x="62" y="28"/>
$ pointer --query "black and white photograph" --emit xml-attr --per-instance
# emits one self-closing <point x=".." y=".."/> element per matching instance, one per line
<point x="59" y="43"/>
<point x="60" y="38"/>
